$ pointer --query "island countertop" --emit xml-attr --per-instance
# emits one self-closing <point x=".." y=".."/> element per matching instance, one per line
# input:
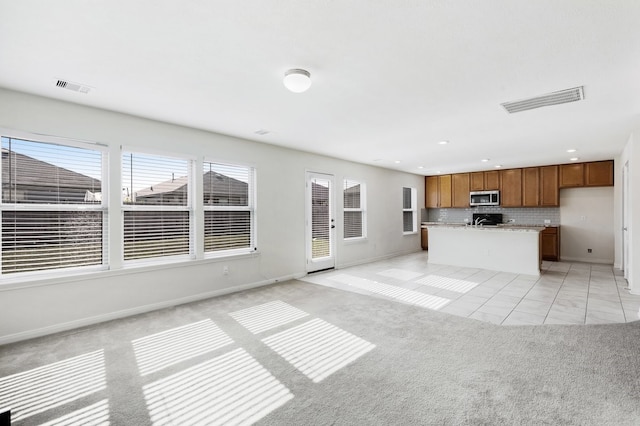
<point x="498" y="228"/>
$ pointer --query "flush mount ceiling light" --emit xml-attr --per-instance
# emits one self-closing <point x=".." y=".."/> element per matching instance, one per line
<point x="297" y="80"/>
<point x="443" y="142"/>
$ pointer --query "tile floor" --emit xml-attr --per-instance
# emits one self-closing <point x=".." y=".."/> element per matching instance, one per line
<point x="564" y="293"/>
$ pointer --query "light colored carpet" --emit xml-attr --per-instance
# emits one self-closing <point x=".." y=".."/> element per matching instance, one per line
<point x="296" y="353"/>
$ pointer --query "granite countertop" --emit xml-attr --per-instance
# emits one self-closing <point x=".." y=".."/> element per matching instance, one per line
<point x="500" y="227"/>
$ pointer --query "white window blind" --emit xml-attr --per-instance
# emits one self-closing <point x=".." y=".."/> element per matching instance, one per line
<point x="354" y="212"/>
<point x="156" y="206"/>
<point x="409" y="210"/>
<point x="52" y="210"/>
<point x="228" y="207"/>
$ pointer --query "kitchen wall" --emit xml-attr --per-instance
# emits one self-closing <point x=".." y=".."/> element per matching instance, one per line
<point x="586" y="219"/>
<point x="32" y="308"/>
<point x="520" y="216"/>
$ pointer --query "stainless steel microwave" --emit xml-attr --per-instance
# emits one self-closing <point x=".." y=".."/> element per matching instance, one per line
<point x="484" y="198"/>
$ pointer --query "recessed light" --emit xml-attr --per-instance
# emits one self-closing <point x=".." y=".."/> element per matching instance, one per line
<point x="497" y="166"/>
<point x="484" y="160"/>
<point x="574" y="158"/>
<point x="438" y="172"/>
<point x="421" y="167"/>
<point x="571" y="150"/>
<point x="443" y="142"/>
<point x="397" y="161"/>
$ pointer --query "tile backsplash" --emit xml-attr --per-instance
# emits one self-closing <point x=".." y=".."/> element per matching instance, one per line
<point x="519" y="216"/>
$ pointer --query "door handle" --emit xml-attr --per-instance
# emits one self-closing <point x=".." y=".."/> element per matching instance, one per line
<point x="333" y="226"/>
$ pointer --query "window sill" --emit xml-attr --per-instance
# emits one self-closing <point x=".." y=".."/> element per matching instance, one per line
<point x="358" y="240"/>
<point x="15" y="283"/>
<point x="410" y="233"/>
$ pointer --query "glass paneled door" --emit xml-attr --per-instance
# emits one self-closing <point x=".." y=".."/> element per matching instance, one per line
<point x="320" y="225"/>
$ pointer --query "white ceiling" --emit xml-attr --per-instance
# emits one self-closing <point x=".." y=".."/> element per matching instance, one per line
<point x="390" y="78"/>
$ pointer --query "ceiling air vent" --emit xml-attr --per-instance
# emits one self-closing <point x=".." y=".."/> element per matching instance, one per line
<point x="76" y="87"/>
<point x="555" y="98"/>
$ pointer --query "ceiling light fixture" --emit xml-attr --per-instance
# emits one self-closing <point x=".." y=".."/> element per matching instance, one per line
<point x="497" y="166"/>
<point x="421" y="167"/>
<point x="297" y="80"/>
<point x="397" y="161"/>
<point x="484" y="160"/>
<point x="574" y="158"/>
<point x="443" y="142"/>
<point x="571" y="150"/>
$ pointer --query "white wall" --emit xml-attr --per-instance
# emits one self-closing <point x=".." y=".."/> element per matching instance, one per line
<point x="29" y="309"/>
<point x="586" y="221"/>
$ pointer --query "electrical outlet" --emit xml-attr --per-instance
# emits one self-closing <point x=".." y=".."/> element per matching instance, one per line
<point x="547" y="221"/>
<point x="225" y="270"/>
<point x="588" y="250"/>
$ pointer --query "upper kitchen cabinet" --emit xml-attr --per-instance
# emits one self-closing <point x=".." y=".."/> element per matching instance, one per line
<point x="491" y="180"/>
<point x="549" y="193"/>
<point x="598" y="173"/>
<point x="530" y="187"/>
<point x="460" y="190"/>
<point x="571" y="175"/>
<point x="476" y="181"/>
<point x="438" y="191"/>
<point x="511" y="188"/>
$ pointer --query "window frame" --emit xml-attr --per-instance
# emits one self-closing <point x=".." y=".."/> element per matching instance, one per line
<point x="189" y="208"/>
<point x="413" y="209"/>
<point x="101" y="207"/>
<point x="362" y="209"/>
<point x="250" y="207"/>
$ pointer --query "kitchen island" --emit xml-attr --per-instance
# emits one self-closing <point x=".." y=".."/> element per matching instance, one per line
<point x="502" y="248"/>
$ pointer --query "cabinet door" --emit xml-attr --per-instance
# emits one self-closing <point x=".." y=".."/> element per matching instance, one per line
<point x="531" y="187"/>
<point x="491" y="180"/>
<point x="549" y="244"/>
<point x="549" y="193"/>
<point x="511" y="188"/>
<point x="599" y="173"/>
<point x="476" y="181"/>
<point x="444" y="186"/>
<point x="460" y="192"/>
<point x="432" y="192"/>
<point x="571" y="175"/>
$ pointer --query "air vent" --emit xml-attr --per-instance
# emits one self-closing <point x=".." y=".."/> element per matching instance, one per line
<point x="555" y="98"/>
<point x="262" y="132"/>
<point x="76" y="87"/>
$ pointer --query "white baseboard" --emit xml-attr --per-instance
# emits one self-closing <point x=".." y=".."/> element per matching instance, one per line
<point x="587" y="260"/>
<point x="83" y="322"/>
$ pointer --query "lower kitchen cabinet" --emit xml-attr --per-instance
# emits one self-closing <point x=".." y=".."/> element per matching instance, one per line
<point x="550" y="243"/>
<point x="424" y="238"/>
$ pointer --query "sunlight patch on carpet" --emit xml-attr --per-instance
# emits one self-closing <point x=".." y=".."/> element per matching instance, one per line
<point x="408" y="296"/>
<point x="93" y="415"/>
<point x="445" y="283"/>
<point x="400" y="274"/>
<point x="232" y="389"/>
<point x="318" y="349"/>
<point x="53" y="385"/>
<point x="160" y="350"/>
<point x="267" y="316"/>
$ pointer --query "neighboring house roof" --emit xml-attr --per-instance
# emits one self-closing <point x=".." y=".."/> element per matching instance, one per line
<point x="215" y="184"/>
<point x="28" y="171"/>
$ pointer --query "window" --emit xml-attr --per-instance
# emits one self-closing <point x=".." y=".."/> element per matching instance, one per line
<point x="228" y="208"/>
<point x="354" y="208"/>
<point x="409" y="210"/>
<point x="156" y="206"/>
<point x="52" y="211"/>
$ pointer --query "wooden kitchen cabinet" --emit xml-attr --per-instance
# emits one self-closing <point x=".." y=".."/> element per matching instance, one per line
<point x="476" y="181"/>
<point x="549" y="191"/>
<point x="444" y="188"/>
<point x="550" y="243"/>
<point x="598" y="173"/>
<point x="460" y="190"/>
<point x="438" y="191"/>
<point x="491" y="180"/>
<point x="571" y="175"/>
<point x="511" y="188"/>
<point x="531" y="187"/>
